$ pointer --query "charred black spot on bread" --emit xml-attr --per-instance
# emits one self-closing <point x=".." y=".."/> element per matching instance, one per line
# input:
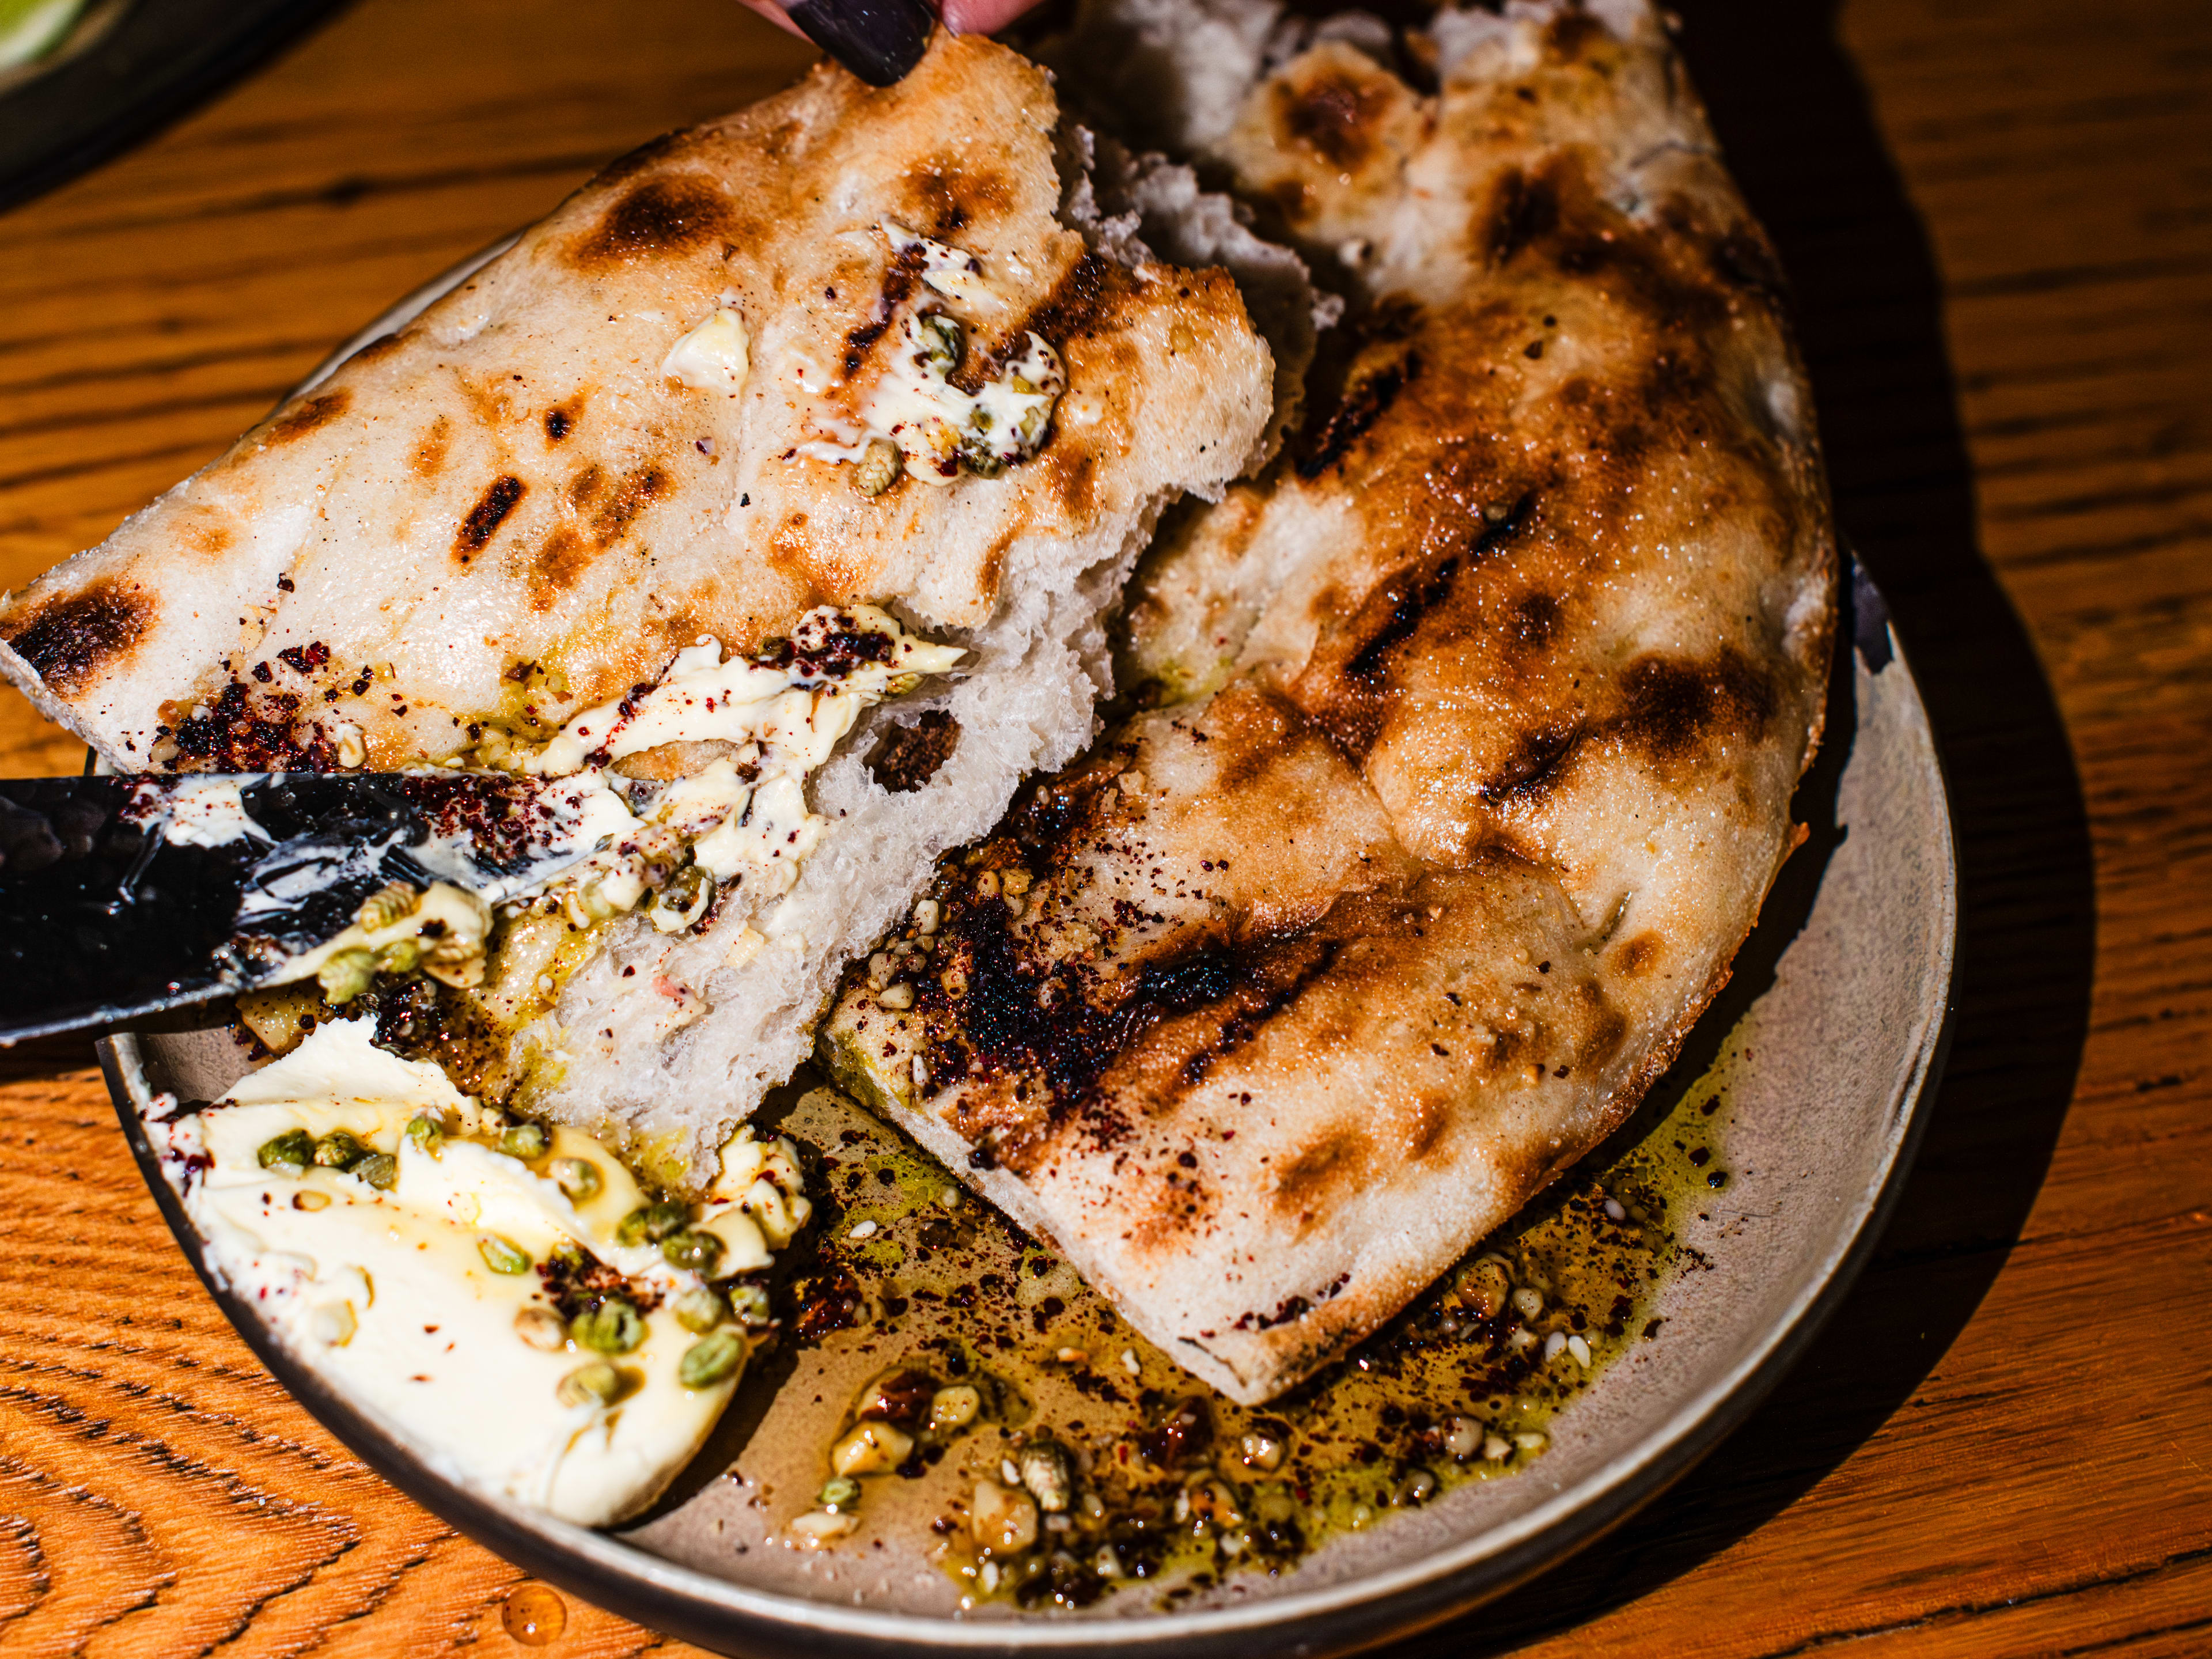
<point x="1535" y="622"/>
<point x="899" y="279"/>
<point x="70" y="639"/>
<point x="300" y="419"/>
<point x="1670" y="708"/>
<point x="485" y="518"/>
<point x="946" y="194"/>
<point x="1046" y="1033"/>
<point x="907" y="756"/>
<point x="1081" y="302"/>
<point x="560" y="420"/>
<point x="1405" y="599"/>
<point x="1049" y="811"/>
<point x="1350" y="689"/>
<point x="1534" y="762"/>
<point x="662" y="218"/>
<point x="1365" y="400"/>
<point x="1336" y="115"/>
<point x="1276" y="978"/>
<point x="1522" y="210"/>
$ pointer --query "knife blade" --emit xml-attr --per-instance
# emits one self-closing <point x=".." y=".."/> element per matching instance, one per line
<point x="122" y="895"/>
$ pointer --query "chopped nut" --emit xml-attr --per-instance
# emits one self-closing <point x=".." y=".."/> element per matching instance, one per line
<point x="331" y="1323"/>
<point x="387" y="905"/>
<point x="1003" y="1522"/>
<point x="954" y="1407"/>
<point x="597" y="1383"/>
<point x="1263" y="1451"/>
<point x="1484" y="1290"/>
<point x="1046" y="1472"/>
<point x="879" y="467"/>
<point x="871" y="1448"/>
<point x="541" y="1328"/>
<point x="818" y="1528"/>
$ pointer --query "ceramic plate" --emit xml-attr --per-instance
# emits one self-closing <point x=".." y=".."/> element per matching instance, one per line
<point x="1830" y="1036"/>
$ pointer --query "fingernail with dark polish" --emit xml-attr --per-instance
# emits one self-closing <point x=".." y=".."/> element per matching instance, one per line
<point x="879" y="40"/>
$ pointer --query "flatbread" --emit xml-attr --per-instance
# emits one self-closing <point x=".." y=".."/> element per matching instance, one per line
<point x="1475" y="725"/>
<point x="529" y="499"/>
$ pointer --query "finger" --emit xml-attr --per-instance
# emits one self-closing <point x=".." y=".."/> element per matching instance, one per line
<point x="879" y="40"/>
<point x="982" y="17"/>
<point x="775" y="13"/>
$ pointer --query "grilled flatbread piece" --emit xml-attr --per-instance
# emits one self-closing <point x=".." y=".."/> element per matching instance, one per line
<point x="701" y="399"/>
<point x="1478" y="718"/>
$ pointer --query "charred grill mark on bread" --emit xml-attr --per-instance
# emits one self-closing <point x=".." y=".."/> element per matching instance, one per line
<point x="482" y="520"/>
<point x="679" y="214"/>
<point x="73" y="637"/>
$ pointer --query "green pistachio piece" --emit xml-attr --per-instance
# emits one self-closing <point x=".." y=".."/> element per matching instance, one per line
<point x="749" y="1305"/>
<point x="380" y="1170"/>
<point x="839" y="1491"/>
<point x="943" y="343"/>
<point x="649" y="1223"/>
<point x="289" y="1153"/>
<point x="579" y="1177"/>
<point x="700" y="1310"/>
<point x="339" y="1150"/>
<point x="595" y="1383"/>
<point x="695" y="1250"/>
<point x="502" y="1254"/>
<point x="613" y="1326"/>
<point x="525" y="1141"/>
<point x="427" y="1132"/>
<point x="345" y="976"/>
<point x="712" y="1358"/>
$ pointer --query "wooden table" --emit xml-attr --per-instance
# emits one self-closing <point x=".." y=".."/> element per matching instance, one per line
<point x="1999" y="221"/>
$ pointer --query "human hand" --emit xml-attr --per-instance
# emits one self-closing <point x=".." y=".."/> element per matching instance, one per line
<point x="879" y="40"/>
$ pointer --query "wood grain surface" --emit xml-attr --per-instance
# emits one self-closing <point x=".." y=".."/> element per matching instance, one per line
<point x="1998" y="219"/>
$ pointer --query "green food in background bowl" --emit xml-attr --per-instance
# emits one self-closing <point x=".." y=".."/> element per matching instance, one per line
<point x="29" y="29"/>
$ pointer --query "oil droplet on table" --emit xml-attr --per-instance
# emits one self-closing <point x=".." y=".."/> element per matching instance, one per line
<point x="534" y="1615"/>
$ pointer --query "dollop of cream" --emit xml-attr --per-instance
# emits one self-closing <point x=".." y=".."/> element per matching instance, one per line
<point x="716" y="356"/>
<point x="393" y="1294"/>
